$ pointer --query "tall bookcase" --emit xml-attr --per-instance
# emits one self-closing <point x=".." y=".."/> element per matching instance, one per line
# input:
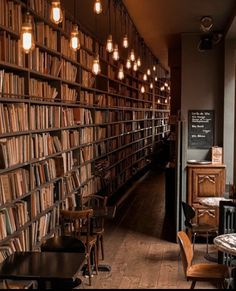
<point x="63" y="131"/>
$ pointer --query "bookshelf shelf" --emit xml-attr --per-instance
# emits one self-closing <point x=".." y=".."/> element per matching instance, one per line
<point x="84" y="134"/>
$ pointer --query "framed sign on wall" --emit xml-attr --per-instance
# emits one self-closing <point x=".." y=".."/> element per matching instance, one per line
<point x="201" y="129"/>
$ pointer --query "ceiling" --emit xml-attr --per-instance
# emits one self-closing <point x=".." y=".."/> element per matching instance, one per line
<point x="161" y="22"/>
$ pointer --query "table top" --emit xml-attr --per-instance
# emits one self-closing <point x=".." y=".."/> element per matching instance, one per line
<point x="42" y="265"/>
<point x="212" y="201"/>
<point x="226" y="243"/>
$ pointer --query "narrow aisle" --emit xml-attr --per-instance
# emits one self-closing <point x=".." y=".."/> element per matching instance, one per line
<point x="134" y="244"/>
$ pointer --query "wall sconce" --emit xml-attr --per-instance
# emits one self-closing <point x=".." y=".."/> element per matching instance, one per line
<point x="26" y="35"/>
<point x="56" y="15"/>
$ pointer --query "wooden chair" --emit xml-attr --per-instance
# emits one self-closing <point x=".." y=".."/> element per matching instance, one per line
<point x="194" y="229"/>
<point x="210" y="272"/>
<point x="78" y="224"/>
<point x="99" y="205"/>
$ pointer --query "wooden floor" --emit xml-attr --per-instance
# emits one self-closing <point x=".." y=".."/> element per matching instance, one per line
<point x="137" y="246"/>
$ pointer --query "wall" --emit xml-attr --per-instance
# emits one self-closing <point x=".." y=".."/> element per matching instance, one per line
<point x="229" y="110"/>
<point x="202" y="88"/>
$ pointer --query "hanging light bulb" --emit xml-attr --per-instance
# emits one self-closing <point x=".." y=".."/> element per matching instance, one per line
<point x="151" y="86"/>
<point x="109" y="46"/>
<point x="154" y="68"/>
<point x="116" y="55"/>
<point x="166" y="101"/>
<point x="56" y="15"/>
<point x="166" y="84"/>
<point x="26" y="35"/>
<point x="162" y="88"/>
<point x="121" y="74"/>
<point x="159" y="101"/>
<point x="74" y="38"/>
<point x="125" y="41"/>
<point x="97" y="7"/>
<point x="168" y="88"/>
<point x="132" y="56"/>
<point x="128" y="64"/>
<point x="148" y="72"/>
<point x="139" y="62"/>
<point x="156" y="79"/>
<point x="96" y="66"/>
<point x="142" y="89"/>
<point x="145" y="77"/>
<point x="135" y="67"/>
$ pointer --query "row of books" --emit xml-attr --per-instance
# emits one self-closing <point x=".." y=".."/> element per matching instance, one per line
<point x="10" y="15"/>
<point x="10" y="50"/>
<point x="42" y="90"/>
<point x="20" y="243"/>
<point x="87" y="79"/>
<point x="41" y="7"/>
<point x="14" y="117"/>
<point x="86" y="59"/>
<point x="11" y="84"/>
<point x="45" y="35"/>
<point x="45" y="117"/>
<point x="70" y="139"/>
<point x="41" y="200"/>
<point x="14" y="151"/>
<point x="43" y="173"/>
<point x="68" y="71"/>
<point x="72" y="181"/>
<point x="86" y="154"/>
<point x="66" y="50"/>
<point x="12" y="218"/>
<point x="68" y="94"/>
<point x="86" y="98"/>
<point x="44" y="225"/>
<point x="87" y="135"/>
<point x="44" y="63"/>
<point x="93" y="186"/>
<point x="13" y="185"/>
<point x="85" y="172"/>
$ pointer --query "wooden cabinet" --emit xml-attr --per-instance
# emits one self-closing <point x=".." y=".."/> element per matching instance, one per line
<point x="205" y="181"/>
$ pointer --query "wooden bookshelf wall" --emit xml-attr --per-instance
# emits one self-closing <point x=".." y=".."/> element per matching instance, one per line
<point x="63" y="131"/>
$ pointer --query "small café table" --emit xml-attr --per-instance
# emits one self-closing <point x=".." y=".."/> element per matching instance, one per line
<point x="42" y="267"/>
<point x="212" y="201"/>
<point x="227" y="243"/>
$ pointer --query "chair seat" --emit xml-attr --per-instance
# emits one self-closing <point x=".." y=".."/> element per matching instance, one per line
<point x="204" y="228"/>
<point x="204" y="272"/>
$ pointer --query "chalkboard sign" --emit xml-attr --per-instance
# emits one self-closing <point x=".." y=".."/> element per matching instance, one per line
<point x="201" y="129"/>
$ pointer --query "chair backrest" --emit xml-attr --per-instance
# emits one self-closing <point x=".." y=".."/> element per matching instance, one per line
<point x="189" y="213"/>
<point x="186" y="250"/>
<point x="96" y="202"/>
<point x="76" y="223"/>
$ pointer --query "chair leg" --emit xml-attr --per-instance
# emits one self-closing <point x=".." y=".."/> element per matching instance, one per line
<point x="207" y="241"/>
<point x="194" y="236"/>
<point x="102" y="247"/>
<point x="193" y="285"/>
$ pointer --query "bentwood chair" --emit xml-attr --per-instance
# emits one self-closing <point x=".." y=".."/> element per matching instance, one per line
<point x="78" y="224"/>
<point x="194" y="229"/>
<point x="208" y="272"/>
<point x="99" y="205"/>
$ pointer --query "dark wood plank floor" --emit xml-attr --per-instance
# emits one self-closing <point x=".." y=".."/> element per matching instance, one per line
<point x="137" y="246"/>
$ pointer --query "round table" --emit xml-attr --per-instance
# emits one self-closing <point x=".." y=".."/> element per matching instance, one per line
<point x="227" y="243"/>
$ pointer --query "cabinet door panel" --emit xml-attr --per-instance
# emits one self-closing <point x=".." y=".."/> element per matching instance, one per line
<point x="206" y="216"/>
